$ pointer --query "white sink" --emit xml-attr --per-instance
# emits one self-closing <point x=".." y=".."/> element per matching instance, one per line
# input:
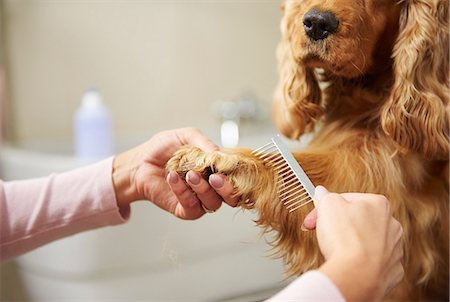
<point x="153" y="257"/>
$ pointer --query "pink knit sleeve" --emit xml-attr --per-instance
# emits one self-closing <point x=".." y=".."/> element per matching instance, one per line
<point x="38" y="211"/>
<point x="311" y="286"/>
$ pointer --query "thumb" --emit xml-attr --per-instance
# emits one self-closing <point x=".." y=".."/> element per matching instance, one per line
<point x="319" y="193"/>
<point x="309" y="223"/>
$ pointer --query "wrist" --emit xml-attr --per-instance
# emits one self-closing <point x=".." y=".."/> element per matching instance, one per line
<point x="354" y="276"/>
<point x="124" y="167"/>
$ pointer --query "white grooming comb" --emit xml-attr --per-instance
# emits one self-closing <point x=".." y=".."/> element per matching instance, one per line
<point x="294" y="187"/>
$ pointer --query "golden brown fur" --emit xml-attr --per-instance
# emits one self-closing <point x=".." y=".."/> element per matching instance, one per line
<point x="379" y="86"/>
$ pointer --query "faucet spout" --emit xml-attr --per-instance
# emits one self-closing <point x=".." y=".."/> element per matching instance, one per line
<point x="229" y="133"/>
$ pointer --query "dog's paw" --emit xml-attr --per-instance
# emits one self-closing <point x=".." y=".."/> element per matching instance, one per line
<point x="251" y="178"/>
<point x="191" y="158"/>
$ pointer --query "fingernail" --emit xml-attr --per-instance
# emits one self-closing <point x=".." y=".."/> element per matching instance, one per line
<point x="193" y="178"/>
<point x="216" y="181"/>
<point x="173" y="177"/>
<point x="320" y="192"/>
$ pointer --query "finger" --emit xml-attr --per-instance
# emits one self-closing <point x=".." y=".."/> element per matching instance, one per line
<point x="351" y="196"/>
<point x="319" y="193"/>
<point x="224" y="188"/>
<point x="396" y="231"/>
<point x="205" y="193"/>
<point x="329" y="203"/>
<point x="188" y="213"/>
<point x="398" y="253"/>
<point x="182" y="192"/>
<point x="309" y="223"/>
<point x="395" y="277"/>
<point x="192" y="136"/>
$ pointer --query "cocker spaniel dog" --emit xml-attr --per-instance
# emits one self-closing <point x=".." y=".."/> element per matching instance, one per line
<point x="371" y="79"/>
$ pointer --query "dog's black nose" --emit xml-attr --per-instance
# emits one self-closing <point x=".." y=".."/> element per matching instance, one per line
<point x="318" y="25"/>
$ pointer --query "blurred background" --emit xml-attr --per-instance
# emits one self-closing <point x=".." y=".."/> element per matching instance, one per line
<point x="157" y="65"/>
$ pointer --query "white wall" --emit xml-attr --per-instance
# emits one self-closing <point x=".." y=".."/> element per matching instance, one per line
<point x="159" y="64"/>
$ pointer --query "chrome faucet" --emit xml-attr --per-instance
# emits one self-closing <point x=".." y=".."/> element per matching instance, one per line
<point x="232" y="113"/>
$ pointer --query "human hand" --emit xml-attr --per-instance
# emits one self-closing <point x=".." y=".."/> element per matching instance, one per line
<point x="140" y="174"/>
<point x="361" y="243"/>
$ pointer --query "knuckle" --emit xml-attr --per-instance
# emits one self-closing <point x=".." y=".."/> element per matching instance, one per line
<point x="383" y="200"/>
<point x="185" y="194"/>
<point x="399" y="230"/>
<point x="231" y="202"/>
<point x="182" y="191"/>
<point x="202" y="188"/>
<point x="192" y="130"/>
<point x="226" y="192"/>
<point x="331" y="196"/>
<point x="178" y="188"/>
<point x="402" y="272"/>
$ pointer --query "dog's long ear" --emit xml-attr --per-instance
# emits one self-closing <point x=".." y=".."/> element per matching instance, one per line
<point x="296" y="105"/>
<point x="416" y="116"/>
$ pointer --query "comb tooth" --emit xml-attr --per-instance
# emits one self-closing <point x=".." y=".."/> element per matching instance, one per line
<point x="274" y="155"/>
<point x="286" y="193"/>
<point x="286" y="186"/>
<point x="277" y="159"/>
<point x="288" y="190"/>
<point x="283" y="178"/>
<point x="263" y="152"/>
<point x="282" y="167"/>
<point x="299" y="206"/>
<point x="284" y="171"/>
<point x="296" y="196"/>
<point x="279" y="162"/>
<point x="265" y="156"/>
<point x="293" y="196"/>
<point x="291" y="188"/>
<point x="290" y="183"/>
<point x="281" y="181"/>
<point x="279" y="167"/>
<point x="296" y="208"/>
<point x="267" y="153"/>
<point x="292" y="205"/>
<point x="269" y="156"/>
<point x="295" y="190"/>
<point x="293" y="180"/>
<point x="254" y="152"/>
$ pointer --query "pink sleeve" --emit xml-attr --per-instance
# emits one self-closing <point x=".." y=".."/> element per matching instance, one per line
<point x="38" y="211"/>
<point x="311" y="286"/>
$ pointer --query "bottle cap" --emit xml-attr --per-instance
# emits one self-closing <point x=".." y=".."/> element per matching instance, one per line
<point x="92" y="99"/>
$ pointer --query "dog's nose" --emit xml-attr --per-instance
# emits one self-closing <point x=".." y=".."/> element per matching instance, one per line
<point x="318" y="25"/>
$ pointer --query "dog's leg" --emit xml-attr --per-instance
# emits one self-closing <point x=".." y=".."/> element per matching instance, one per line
<point x="255" y="185"/>
<point x="254" y="180"/>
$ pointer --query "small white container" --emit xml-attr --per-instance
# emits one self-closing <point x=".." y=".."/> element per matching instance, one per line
<point x="93" y="132"/>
